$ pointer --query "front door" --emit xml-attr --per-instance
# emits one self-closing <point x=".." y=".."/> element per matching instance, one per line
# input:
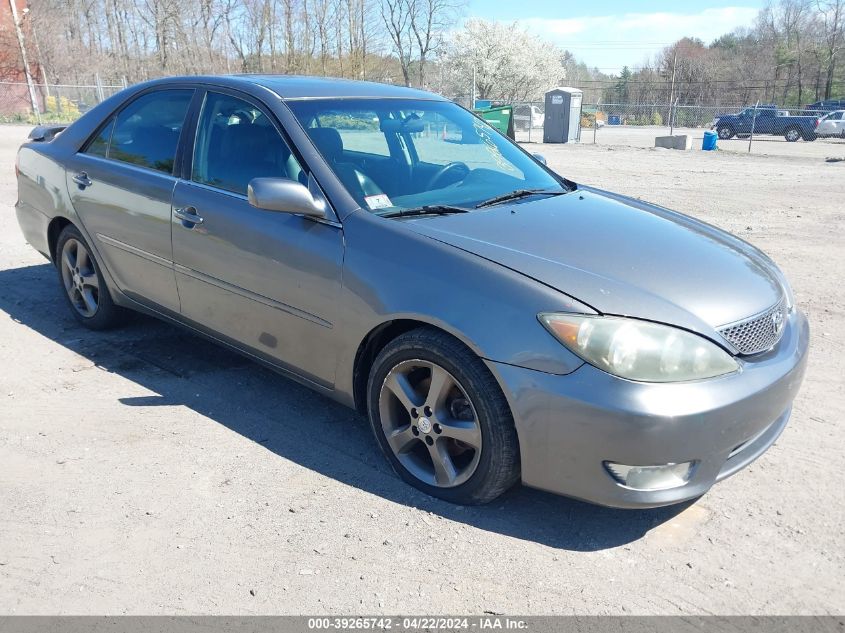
<point x="838" y="123"/>
<point x="267" y="280"/>
<point x="121" y="184"/>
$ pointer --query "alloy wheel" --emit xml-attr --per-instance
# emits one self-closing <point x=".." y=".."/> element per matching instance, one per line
<point x="80" y="278"/>
<point x="430" y="423"/>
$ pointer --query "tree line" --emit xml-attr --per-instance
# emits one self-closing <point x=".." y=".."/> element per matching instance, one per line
<point x="382" y="40"/>
<point x="791" y="55"/>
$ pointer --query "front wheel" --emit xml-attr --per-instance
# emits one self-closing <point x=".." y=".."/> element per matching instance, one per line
<point x="792" y="134"/>
<point x="441" y="419"/>
<point x="725" y="132"/>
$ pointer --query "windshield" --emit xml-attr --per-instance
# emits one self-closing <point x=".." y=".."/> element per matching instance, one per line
<point x="394" y="154"/>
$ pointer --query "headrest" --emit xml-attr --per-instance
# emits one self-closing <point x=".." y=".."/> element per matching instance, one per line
<point x="328" y="141"/>
<point x="249" y="139"/>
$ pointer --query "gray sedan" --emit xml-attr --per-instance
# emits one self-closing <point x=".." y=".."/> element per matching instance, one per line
<point x="494" y="321"/>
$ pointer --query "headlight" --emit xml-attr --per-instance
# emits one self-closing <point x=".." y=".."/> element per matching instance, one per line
<point x="639" y="350"/>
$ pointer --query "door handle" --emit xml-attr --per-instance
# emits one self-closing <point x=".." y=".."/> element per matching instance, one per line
<point x="82" y="180"/>
<point x="188" y="215"/>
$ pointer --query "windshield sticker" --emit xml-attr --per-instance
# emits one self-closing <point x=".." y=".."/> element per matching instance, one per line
<point x="379" y="201"/>
<point x="482" y="129"/>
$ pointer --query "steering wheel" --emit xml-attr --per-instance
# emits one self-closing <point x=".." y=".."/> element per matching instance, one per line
<point x="457" y="170"/>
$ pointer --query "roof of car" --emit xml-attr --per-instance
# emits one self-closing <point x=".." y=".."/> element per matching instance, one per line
<point x="302" y="87"/>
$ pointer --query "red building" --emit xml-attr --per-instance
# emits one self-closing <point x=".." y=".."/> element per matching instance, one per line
<point x="14" y="93"/>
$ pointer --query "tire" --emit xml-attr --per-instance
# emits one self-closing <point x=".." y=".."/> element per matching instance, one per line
<point x="82" y="283"/>
<point x="725" y="132"/>
<point x="792" y="134"/>
<point x="485" y="461"/>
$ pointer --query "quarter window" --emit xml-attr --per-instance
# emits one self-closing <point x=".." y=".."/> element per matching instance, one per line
<point x="146" y="132"/>
<point x="235" y="143"/>
<point x="99" y="145"/>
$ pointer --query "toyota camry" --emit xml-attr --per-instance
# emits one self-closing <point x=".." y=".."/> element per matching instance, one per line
<point x="496" y="322"/>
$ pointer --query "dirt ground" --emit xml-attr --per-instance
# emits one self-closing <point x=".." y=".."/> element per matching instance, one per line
<point x="147" y="471"/>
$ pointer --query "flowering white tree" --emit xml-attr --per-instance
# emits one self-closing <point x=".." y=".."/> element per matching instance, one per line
<point x="509" y="63"/>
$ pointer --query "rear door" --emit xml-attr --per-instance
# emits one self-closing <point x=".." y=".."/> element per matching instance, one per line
<point x="768" y="122"/>
<point x="266" y="280"/>
<point x="121" y="184"/>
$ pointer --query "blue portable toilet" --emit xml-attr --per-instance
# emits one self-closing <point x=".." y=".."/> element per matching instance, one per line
<point x="562" y="118"/>
<point x="708" y="143"/>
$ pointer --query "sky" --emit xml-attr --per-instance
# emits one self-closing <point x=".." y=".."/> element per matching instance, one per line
<point x="609" y="34"/>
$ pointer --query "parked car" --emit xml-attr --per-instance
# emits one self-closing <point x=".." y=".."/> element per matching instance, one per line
<point x="495" y="322"/>
<point x="832" y="125"/>
<point x="827" y="106"/>
<point x="766" y="120"/>
<point x="525" y="116"/>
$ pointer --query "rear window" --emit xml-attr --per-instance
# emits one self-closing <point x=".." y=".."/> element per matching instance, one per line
<point x="146" y="132"/>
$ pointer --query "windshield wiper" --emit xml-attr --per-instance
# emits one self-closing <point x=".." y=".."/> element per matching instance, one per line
<point x="432" y="209"/>
<point x="518" y="193"/>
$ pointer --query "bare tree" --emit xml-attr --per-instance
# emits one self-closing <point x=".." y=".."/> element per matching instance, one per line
<point x="832" y="18"/>
<point x="429" y="20"/>
<point x="397" y="19"/>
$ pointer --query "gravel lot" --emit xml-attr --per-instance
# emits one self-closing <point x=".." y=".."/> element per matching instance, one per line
<point x="147" y="471"/>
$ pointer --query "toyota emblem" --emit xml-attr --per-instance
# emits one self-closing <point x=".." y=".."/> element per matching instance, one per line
<point x="777" y="322"/>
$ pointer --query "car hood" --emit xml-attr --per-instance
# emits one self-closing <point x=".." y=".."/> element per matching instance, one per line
<point x="620" y="256"/>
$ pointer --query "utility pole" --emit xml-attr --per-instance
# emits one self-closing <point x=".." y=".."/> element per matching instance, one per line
<point x="753" y="122"/>
<point x="472" y="95"/>
<point x="19" y="32"/>
<point x="672" y="86"/>
<point x="41" y="65"/>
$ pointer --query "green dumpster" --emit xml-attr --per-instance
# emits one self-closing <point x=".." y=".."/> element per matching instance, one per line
<point x="499" y="117"/>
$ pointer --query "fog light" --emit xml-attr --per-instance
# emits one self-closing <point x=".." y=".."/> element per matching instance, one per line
<point x="651" y="477"/>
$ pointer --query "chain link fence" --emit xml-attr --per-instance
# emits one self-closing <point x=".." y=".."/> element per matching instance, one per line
<point x="740" y="126"/>
<point x="51" y="103"/>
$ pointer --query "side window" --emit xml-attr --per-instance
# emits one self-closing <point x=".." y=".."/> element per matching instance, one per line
<point x="146" y="132"/>
<point x="359" y="130"/>
<point x="99" y="145"/>
<point x="235" y="143"/>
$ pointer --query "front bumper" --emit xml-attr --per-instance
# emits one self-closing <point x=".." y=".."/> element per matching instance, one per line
<point x="569" y="425"/>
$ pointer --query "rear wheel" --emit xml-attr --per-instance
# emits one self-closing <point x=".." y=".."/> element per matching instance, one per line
<point x="441" y="419"/>
<point x="725" y="132"/>
<point x="792" y="134"/>
<point x="84" y="288"/>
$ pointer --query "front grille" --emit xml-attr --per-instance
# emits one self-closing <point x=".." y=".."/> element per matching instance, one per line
<point x="758" y="333"/>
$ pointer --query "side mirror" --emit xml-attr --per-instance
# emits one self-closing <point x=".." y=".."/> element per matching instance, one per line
<point x="285" y="196"/>
<point x="540" y="158"/>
